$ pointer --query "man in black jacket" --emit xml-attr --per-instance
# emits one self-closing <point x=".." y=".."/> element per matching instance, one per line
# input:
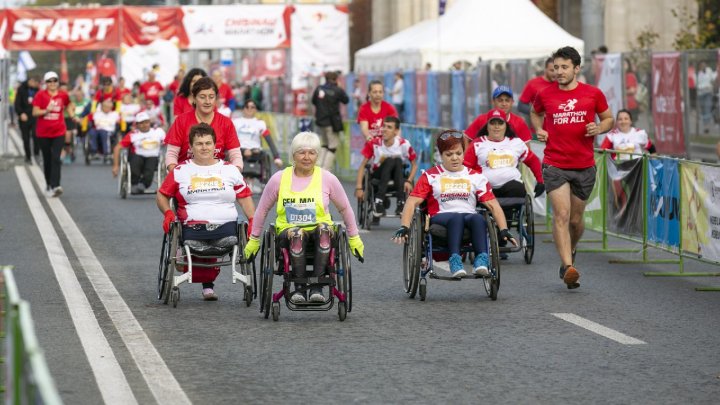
<point x="23" y="109"/>
<point x="327" y="98"/>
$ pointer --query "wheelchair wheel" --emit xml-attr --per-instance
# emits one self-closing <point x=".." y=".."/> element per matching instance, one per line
<point x="164" y="267"/>
<point x="175" y="296"/>
<point x="368" y="200"/>
<point x="86" y="148"/>
<point x="267" y="264"/>
<point x="161" y="171"/>
<point x="492" y="283"/>
<point x="342" y="311"/>
<point x="344" y="271"/>
<point x="423" y="289"/>
<point x="528" y="231"/>
<point x="360" y="212"/>
<point x="275" y="311"/>
<point x="265" y="168"/>
<point x="247" y="268"/>
<point x="412" y="253"/>
<point x="123" y="178"/>
<point x="167" y="264"/>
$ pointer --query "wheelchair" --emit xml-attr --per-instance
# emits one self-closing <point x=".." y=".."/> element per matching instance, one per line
<point x="258" y="167"/>
<point x="124" y="174"/>
<point x="107" y="148"/>
<point x="276" y="261"/>
<point x="366" y="205"/>
<point x="426" y="242"/>
<point x="521" y="217"/>
<point x="175" y="254"/>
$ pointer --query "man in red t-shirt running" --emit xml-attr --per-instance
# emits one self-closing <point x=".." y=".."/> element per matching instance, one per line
<point x="563" y="116"/>
<point x="371" y="115"/>
<point x="534" y="85"/>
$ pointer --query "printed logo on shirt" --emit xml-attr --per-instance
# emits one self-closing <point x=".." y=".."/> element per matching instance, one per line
<point x="150" y="144"/>
<point x="202" y="183"/>
<point x="568" y="105"/>
<point x="568" y="115"/>
<point x="454" y="189"/>
<point x="500" y="158"/>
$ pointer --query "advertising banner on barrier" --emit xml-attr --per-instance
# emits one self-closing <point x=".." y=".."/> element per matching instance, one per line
<point x="624" y="196"/>
<point x="667" y="104"/>
<point x="610" y="82"/>
<point x="472" y="96"/>
<point x="700" y="210"/>
<point x="320" y="37"/>
<point x="444" y="92"/>
<point x="237" y="26"/>
<point x="421" y="140"/>
<point x="433" y="99"/>
<point x="421" y="100"/>
<point x="593" y="209"/>
<point x="82" y="29"/>
<point x="663" y="194"/>
<point x="458" y="106"/>
<point x="518" y="75"/>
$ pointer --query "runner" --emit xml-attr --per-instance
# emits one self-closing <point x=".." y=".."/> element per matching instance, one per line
<point x="563" y="115"/>
<point x="534" y="85"/>
<point x="502" y="100"/>
<point x="371" y="115"/>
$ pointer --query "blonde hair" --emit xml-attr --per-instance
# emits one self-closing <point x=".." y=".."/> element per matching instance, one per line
<point x="304" y="140"/>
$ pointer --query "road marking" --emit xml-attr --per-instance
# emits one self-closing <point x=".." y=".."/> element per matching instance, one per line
<point x="14" y="143"/>
<point x="111" y="381"/>
<point x="163" y="385"/>
<point x="604" y="331"/>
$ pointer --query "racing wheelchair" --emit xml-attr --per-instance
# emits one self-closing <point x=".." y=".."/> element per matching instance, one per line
<point x="176" y="255"/>
<point x="275" y="260"/>
<point x="366" y="205"/>
<point x="124" y="183"/>
<point x="520" y="216"/>
<point x="427" y="242"/>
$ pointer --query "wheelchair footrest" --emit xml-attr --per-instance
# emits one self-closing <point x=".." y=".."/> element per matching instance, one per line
<point x="468" y="276"/>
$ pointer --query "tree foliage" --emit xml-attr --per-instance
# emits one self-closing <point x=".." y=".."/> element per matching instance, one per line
<point x="699" y="31"/>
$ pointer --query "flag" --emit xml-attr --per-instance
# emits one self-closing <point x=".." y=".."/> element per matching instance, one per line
<point x="441" y="6"/>
<point x="25" y="64"/>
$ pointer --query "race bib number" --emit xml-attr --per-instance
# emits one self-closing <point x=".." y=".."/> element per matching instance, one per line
<point x="500" y="159"/>
<point x="150" y="144"/>
<point x="302" y="213"/>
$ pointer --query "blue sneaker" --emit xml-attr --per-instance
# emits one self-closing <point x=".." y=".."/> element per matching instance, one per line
<point x="481" y="265"/>
<point x="456" y="266"/>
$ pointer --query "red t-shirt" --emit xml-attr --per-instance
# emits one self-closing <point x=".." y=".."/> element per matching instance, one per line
<point x="225" y="94"/>
<point x="52" y="124"/>
<point x="630" y="100"/>
<point x="376" y="120"/>
<point x="174" y="86"/>
<point x="532" y="88"/>
<point x="151" y="91"/>
<point x="181" y="105"/>
<point x="225" y="137"/>
<point x="517" y="124"/>
<point x="101" y="95"/>
<point x="566" y="114"/>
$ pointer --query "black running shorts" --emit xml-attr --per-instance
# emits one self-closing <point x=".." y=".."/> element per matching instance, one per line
<point x="581" y="181"/>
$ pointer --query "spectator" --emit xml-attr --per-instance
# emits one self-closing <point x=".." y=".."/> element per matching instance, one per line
<point x="705" y="78"/>
<point x="398" y="96"/>
<point x="535" y="85"/>
<point x="327" y="98"/>
<point x="224" y="91"/>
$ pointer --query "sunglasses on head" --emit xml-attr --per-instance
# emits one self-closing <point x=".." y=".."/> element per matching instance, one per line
<point x="51" y="80"/>
<point x="451" y="134"/>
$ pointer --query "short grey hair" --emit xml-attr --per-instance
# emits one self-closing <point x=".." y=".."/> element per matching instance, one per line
<point x="305" y="140"/>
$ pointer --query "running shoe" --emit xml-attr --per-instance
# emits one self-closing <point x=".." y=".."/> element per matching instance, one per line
<point x="570" y="276"/>
<point x="399" y="207"/>
<point x="379" y="208"/>
<point x="481" y="265"/>
<point x="297" y="298"/>
<point x="135" y="189"/>
<point x="57" y="191"/>
<point x="456" y="266"/>
<point x="316" y="295"/>
<point x="209" y="294"/>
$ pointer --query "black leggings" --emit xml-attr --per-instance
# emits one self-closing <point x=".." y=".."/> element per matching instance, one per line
<point x="390" y="168"/>
<point x="295" y="240"/>
<point x="142" y="169"/>
<point x="51" y="149"/>
<point x="456" y="222"/>
<point x="27" y="130"/>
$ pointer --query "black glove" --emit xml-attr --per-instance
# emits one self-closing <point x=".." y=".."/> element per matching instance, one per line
<point x="539" y="189"/>
<point x="401" y="233"/>
<point x="506" y="235"/>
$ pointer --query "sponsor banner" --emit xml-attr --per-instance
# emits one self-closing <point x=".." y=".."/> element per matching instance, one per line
<point x="624" y="196"/>
<point x="663" y="194"/>
<point x="458" y="102"/>
<point x="264" y="64"/>
<point x="667" y="104"/>
<point x="3" y="30"/>
<point x="593" y="210"/>
<point x="144" y="25"/>
<point x="433" y="98"/>
<point x="236" y="26"/>
<point x="410" y="115"/>
<point x="443" y="85"/>
<point x="320" y="40"/>
<point x="421" y="98"/>
<point x="700" y="210"/>
<point x="81" y="29"/>
<point x="609" y="78"/>
<point x="349" y="85"/>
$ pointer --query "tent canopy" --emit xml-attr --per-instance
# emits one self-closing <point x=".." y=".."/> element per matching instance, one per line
<point x="490" y="29"/>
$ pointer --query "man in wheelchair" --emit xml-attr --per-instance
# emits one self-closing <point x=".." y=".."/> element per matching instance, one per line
<point x="144" y="144"/>
<point x="389" y="155"/>
<point x="206" y="190"/>
<point x="102" y="135"/>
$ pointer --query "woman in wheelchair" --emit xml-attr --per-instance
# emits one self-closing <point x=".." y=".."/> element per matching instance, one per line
<point x="250" y="132"/>
<point x="105" y="124"/>
<point x="303" y="193"/>
<point x="205" y="189"/>
<point x="496" y="152"/>
<point x="144" y="143"/>
<point x="452" y="192"/>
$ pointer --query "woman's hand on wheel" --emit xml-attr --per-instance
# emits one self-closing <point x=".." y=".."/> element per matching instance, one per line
<point x="401" y="235"/>
<point x="169" y="218"/>
<point x="357" y="247"/>
<point x="251" y="248"/>
<point x="506" y="235"/>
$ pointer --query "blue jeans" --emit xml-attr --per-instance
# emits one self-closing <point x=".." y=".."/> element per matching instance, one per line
<point x="706" y="101"/>
<point x="456" y="222"/>
<point x="104" y="141"/>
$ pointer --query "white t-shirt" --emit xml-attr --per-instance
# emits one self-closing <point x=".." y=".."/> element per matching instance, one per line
<point x="376" y="151"/>
<point x="205" y="194"/>
<point x="224" y="110"/>
<point x="129" y="111"/>
<point x="146" y="144"/>
<point x="631" y="142"/>
<point x="397" y="92"/>
<point x="250" y="131"/>
<point x="499" y="159"/>
<point x="447" y="191"/>
<point x="106" y="121"/>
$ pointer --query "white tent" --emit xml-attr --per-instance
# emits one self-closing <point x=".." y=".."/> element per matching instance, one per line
<point x="491" y="29"/>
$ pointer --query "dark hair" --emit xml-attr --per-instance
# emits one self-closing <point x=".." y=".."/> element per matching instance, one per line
<point x="374" y="82"/>
<point x="509" y="133"/>
<point x="201" y="129"/>
<point x="331" y="76"/>
<point x="249" y="101"/>
<point x="624" y="110"/>
<point x="184" y="89"/>
<point x="394" y="120"/>
<point x="568" y="52"/>
<point x="451" y="141"/>
<point x="549" y="61"/>
<point x="205" y="83"/>
<point x="105" y="80"/>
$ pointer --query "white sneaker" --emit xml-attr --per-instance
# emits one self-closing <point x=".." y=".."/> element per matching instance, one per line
<point x="57" y="191"/>
<point x="49" y="193"/>
<point x="297" y="298"/>
<point x="317" y="296"/>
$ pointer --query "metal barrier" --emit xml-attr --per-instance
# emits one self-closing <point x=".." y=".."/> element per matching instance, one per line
<point x="26" y="376"/>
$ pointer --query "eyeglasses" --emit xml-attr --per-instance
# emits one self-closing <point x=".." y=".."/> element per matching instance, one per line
<point x="51" y="81"/>
<point x="448" y="134"/>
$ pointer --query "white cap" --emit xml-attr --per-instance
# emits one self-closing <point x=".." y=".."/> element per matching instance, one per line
<point x="142" y="116"/>
<point x="50" y="75"/>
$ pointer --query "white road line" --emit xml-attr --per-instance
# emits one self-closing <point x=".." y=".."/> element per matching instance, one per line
<point x="604" y="331"/>
<point x="15" y="144"/>
<point x="163" y="385"/>
<point x="111" y="381"/>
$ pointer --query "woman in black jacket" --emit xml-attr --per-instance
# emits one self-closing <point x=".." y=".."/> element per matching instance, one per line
<point x="23" y="109"/>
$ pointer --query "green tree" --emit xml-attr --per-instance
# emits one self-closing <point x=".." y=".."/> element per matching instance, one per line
<point x="699" y="31"/>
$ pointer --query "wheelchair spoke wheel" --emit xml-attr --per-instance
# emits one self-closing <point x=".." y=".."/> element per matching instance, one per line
<point x="123" y="181"/>
<point x="528" y="233"/>
<point x="412" y="256"/>
<point x="493" y="282"/>
<point x="343" y="271"/>
<point x="164" y="266"/>
<point x="360" y="213"/>
<point x="171" y="259"/>
<point x="267" y="263"/>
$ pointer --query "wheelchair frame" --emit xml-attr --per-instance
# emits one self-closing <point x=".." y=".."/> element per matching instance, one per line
<point x="112" y="140"/>
<point x="523" y="220"/>
<point x="418" y="261"/>
<point x="366" y="205"/>
<point x="124" y="183"/>
<point x="265" y="162"/>
<point x="172" y="258"/>
<point x="276" y="261"/>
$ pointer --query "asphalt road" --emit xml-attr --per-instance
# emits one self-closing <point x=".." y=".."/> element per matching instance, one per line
<point x="457" y="347"/>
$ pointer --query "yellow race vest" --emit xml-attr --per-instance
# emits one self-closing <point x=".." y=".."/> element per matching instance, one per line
<point x="300" y="208"/>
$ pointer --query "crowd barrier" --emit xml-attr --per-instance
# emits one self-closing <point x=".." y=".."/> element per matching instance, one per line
<point x="26" y="378"/>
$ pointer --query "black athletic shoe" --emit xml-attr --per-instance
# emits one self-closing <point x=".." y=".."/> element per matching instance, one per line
<point x="379" y="208"/>
<point x="399" y="208"/>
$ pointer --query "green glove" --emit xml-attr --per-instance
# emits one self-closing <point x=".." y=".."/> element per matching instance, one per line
<point x="251" y="247"/>
<point x="357" y="247"/>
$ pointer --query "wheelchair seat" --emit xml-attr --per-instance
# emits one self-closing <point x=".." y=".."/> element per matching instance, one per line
<point x="510" y="201"/>
<point x="212" y="247"/>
